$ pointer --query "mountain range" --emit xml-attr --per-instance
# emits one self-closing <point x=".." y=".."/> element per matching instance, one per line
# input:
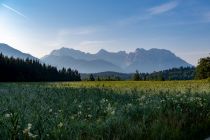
<point x="141" y="59"/>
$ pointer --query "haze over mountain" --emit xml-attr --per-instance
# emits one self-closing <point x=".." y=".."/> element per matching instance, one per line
<point x="12" y="52"/>
<point x="141" y="59"/>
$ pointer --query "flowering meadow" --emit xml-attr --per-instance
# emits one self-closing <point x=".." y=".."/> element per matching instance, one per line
<point x="123" y="110"/>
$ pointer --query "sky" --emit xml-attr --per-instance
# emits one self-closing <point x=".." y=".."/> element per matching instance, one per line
<point x="40" y="26"/>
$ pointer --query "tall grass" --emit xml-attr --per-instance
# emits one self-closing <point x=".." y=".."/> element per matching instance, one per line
<point x="62" y="111"/>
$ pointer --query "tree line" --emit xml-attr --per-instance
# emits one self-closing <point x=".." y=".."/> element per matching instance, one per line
<point x="20" y="70"/>
<point x="182" y="73"/>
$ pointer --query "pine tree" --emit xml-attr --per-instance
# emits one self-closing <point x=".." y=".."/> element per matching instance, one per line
<point x="136" y="76"/>
<point x="91" y="77"/>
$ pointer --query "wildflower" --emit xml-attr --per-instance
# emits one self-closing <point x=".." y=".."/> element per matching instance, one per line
<point x="29" y="126"/>
<point x="143" y="97"/>
<point x="50" y="110"/>
<point x="79" y="113"/>
<point x="162" y="100"/>
<point x="103" y="101"/>
<point x="89" y="116"/>
<point x="129" y="105"/>
<point x="60" y="124"/>
<point x="8" y="115"/>
<point x="113" y="112"/>
<point x="109" y="108"/>
<point x="80" y="106"/>
<point x="56" y="114"/>
<point x="32" y="135"/>
<point x="72" y="117"/>
<point x="25" y="131"/>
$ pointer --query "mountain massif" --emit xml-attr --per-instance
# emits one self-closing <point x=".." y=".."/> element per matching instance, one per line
<point x="141" y="59"/>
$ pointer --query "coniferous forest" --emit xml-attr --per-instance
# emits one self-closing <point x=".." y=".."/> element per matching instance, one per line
<point x="19" y="70"/>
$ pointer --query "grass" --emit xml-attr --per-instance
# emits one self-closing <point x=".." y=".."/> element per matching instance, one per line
<point x="105" y="110"/>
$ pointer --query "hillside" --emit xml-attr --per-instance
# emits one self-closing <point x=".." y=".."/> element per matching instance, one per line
<point x="9" y="51"/>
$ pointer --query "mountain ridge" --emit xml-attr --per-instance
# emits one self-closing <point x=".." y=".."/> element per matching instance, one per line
<point x="12" y="52"/>
<point x="143" y="60"/>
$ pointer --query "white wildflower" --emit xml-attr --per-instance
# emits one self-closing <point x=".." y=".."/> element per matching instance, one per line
<point x="29" y="126"/>
<point x="113" y="112"/>
<point x="25" y="131"/>
<point x="60" y="124"/>
<point x="79" y="113"/>
<point x="8" y="115"/>
<point x="32" y="135"/>
<point x="50" y="110"/>
<point x="89" y="116"/>
<point x="129" y="105"/>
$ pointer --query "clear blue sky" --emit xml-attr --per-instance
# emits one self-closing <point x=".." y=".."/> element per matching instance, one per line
<point x="39" y="26"/>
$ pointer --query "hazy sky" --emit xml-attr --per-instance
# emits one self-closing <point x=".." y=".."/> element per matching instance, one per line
<point x="39" y="26"/>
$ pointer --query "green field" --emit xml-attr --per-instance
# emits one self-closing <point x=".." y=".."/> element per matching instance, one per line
<point x="105" y="110"/>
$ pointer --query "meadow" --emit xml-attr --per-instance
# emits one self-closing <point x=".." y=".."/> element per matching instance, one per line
<point x="101" y="110"/>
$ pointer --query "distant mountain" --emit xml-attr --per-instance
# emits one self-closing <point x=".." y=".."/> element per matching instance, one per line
<point x="6" y="50"/>
<point x="85" y="66"/>
<point x="141" y="59"/>
<point x="153" y="60"/>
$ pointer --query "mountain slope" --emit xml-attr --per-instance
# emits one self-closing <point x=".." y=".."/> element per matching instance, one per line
<point x="141" y="59"/>
<point x="6" y="50"/>
<point x="85" y="66"/>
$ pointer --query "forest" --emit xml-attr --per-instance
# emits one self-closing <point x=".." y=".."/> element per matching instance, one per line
<point x="15" y="69"/>
<point x="182" y="73"/>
